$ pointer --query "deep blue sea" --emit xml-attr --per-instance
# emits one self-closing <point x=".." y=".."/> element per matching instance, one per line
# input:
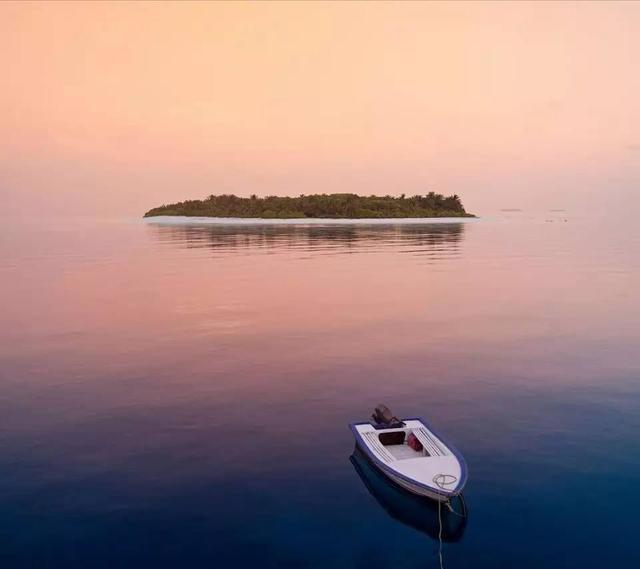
<point x="178" y="395"/>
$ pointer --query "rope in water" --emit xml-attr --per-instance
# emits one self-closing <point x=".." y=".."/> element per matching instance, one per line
<point x="440" y="535"/>
<point x="442" y="481"/>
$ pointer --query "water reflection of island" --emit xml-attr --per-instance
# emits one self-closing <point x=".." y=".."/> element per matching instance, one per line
<point x="419" y="239"/>
<point x="414" y="511"/>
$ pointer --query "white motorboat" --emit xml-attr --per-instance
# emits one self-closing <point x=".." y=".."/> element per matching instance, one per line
<point x="412" y="454"/>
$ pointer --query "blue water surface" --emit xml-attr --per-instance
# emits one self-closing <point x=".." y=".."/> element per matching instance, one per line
<point x="178" y="395"/>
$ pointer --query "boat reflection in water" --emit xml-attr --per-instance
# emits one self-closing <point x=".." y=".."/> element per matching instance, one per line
<point x="414" y="511"/>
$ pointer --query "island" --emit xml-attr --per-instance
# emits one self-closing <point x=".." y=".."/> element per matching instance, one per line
<point x="330" y="206"/>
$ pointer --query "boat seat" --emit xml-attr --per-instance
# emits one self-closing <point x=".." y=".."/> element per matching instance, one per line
<point x="393" y="438"/>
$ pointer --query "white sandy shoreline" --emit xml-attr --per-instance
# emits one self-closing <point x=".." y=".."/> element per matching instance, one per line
<point x="180" y="220"/>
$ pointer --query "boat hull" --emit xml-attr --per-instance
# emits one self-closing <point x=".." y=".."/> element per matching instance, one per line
<point x="411" y="487"/>
<point x="418" y="512"/>
<point x="417" y="489"/>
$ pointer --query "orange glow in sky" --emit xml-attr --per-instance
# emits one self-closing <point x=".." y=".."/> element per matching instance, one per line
<point x="113" y="108"/>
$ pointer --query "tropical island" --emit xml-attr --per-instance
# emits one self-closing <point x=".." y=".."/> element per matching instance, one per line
<point x="331" y="206"/>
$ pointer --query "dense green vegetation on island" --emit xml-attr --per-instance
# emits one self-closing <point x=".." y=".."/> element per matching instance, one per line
<point x="334" y="206"/>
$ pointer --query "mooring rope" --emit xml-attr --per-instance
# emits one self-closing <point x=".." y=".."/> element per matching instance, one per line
<point x="440" y="535"/>
<point x="442" y="481"/>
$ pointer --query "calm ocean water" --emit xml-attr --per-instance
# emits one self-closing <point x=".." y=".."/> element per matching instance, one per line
<point x="178" y="395"/>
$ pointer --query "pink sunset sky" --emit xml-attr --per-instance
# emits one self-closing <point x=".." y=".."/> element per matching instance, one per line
<point x="113" y="108"/>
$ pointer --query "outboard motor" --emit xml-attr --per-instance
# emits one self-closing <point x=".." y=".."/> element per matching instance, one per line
<point x="385" y="419"/>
